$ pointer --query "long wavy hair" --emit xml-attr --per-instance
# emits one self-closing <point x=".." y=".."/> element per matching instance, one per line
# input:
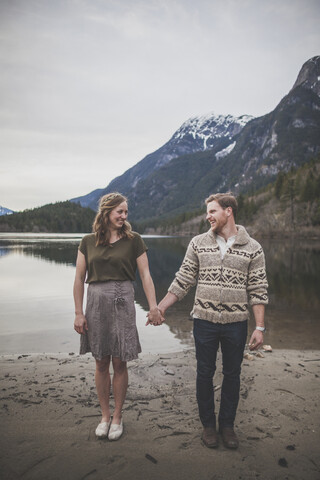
<point x="100" y="225"/>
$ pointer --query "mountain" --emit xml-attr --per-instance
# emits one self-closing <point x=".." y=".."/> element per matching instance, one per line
<point x="288" y="206"/>
<point x="309" y="76"/>
<point x="283" y="139"/>
<point x="199" y="133"/>
<point x="5" y="211"/>
<point x="201" y="158"/>
<point x="287" y="137"/>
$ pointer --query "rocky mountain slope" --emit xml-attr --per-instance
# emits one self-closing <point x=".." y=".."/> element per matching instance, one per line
<point x="309" y="76"/>
<point x="287" y="207"/>
<point x="285" y="138"/>
<point x="198" y="134"/>
<point x="218" y="153"/>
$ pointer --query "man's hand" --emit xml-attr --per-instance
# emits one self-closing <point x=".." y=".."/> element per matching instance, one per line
<point x="256" y="340"/>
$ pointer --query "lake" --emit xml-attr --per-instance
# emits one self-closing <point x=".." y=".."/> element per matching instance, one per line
<point x="37" y="312"/>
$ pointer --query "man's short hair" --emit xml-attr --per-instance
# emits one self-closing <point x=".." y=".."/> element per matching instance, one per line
<point x="225" y="200"/>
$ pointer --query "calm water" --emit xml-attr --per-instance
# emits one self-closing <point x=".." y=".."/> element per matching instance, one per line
<point x="36" y="280"/>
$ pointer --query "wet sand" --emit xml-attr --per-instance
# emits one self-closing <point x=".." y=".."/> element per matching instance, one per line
<point x="49" y="412"/>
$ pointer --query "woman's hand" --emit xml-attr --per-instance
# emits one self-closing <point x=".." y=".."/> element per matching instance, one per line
<point x="80" y="323"/>
<point x="155" y="317"/>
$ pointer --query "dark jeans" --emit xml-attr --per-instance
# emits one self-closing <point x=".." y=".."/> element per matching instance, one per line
<point x="232" y="338"/>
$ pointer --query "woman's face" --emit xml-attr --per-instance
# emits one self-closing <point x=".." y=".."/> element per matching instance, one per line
<point x="118" y="215"/>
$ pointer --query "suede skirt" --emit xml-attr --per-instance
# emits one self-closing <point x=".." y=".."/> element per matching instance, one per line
<point x="111" y="319"/>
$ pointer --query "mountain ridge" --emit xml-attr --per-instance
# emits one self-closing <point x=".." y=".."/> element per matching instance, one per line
<point x="198" y="133"/>
<point x="245" y="154"/>
<point x="289" y="206"/>
<point x="286" y="137"/>
<point x="309" y="75"/>
<point x="247" y="157"/>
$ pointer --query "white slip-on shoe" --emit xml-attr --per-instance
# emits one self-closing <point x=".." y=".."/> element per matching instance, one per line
<point x="115" y="431"/>
<point x="103" y="429"/>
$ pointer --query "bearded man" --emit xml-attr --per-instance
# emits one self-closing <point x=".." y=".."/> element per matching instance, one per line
<point x="228" y="267"/>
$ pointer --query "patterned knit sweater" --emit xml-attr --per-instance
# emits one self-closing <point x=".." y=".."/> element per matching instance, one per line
<point x="225" y="287"/>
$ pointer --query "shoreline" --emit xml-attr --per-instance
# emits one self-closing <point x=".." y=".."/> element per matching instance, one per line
<point x="49" y="412"/>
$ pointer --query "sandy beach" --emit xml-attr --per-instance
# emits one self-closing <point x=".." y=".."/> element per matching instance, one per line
<point x="49" y="412"/>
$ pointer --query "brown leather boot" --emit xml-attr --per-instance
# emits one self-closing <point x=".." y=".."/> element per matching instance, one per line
<point x="210" y="437"/>
<point x="229" y="438"/>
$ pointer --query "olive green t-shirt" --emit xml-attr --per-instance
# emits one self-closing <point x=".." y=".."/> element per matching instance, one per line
<point x="116" y="262"/>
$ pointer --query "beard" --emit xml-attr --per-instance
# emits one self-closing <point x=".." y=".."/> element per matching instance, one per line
<point x="218" y="225"/>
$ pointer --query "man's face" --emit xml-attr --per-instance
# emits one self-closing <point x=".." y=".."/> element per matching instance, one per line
<point x="217" y="216"/>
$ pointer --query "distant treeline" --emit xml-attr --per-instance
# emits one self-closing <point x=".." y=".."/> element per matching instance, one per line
<point x="60" y="217"/>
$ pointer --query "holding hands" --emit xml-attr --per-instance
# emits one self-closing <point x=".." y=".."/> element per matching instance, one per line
<point x="155" y="317"/>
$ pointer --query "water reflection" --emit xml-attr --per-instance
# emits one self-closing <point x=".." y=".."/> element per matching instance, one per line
<point x="58" y="250"/>
<point x="293" y="270"/>
<point x="3" y="252"/>
<point x="293" y="273"/>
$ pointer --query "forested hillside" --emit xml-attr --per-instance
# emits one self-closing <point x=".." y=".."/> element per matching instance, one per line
<point x="60" y="217"/>
<point x="289" y="205"/>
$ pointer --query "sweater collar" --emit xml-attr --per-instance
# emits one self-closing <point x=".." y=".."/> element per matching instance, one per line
<point x="242" y="236"/>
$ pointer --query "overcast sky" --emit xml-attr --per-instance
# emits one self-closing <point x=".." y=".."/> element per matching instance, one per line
<point x="89" y="87"/>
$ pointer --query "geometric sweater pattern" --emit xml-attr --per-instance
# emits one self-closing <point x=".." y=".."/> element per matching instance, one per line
<point x="224" y="287"/>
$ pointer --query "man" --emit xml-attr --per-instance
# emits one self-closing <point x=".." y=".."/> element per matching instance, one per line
<point x="228" y="267"/>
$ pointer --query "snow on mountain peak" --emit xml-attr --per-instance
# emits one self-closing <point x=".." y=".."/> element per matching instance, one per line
<point x="208" y="127"/>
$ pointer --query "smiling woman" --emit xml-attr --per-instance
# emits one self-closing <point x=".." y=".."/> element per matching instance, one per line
<point x="108" y="260"/>
<point x="110" y="223"/>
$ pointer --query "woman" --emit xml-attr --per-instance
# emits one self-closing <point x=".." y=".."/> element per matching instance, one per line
<point x="107" y="260"/>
